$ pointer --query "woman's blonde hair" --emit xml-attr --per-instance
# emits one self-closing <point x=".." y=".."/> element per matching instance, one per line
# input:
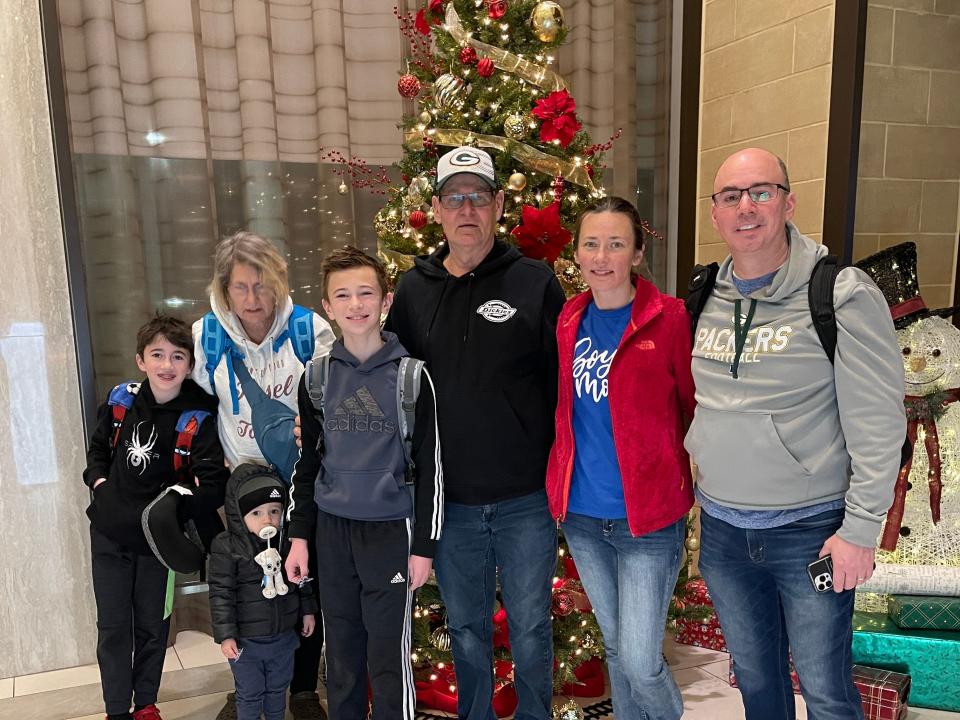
<point x="248" y="248"/>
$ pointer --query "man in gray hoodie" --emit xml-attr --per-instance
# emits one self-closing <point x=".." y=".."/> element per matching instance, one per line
<point x="797" y="456"/>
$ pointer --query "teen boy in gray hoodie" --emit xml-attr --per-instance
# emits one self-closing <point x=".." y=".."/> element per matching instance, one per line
<point x="350" y="483"/>
<point x="797" y="457"/>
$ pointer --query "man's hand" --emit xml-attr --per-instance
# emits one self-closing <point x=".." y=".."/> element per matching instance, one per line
<point x="852" y="564"/>
<point x="97" y="483"/>
<point x="296" y="430"/>
<point x="229" y="649"/>
<point x="297" y="560"/>
<point x="418" y="570"/>
<point x="309" y="623"/>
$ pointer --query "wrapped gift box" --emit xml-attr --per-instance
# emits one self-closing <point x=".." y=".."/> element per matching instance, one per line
<point x="924" y="612"/>
<point x="884" y="693"/>
<point x="930" y="657"/>
<point x="701" y="633"/>
<point x="794" y="679"/>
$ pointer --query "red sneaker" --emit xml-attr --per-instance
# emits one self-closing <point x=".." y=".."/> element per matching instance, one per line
<point x="150" y="712"/>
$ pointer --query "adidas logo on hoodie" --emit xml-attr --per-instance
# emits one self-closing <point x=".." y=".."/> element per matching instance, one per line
<point x="359" y="412"/>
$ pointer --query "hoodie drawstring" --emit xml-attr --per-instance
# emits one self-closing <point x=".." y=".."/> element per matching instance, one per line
<point x="469" y="315"/>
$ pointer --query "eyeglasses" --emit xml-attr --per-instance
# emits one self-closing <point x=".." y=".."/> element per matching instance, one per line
<point x="454" y="201"/>
<point x="730" y="197"/>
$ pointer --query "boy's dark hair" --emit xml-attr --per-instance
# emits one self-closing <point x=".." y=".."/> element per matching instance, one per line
<point x="176" y="331"/>
<point x="347" y="258"/>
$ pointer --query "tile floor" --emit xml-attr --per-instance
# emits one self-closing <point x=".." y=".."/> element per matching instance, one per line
<point x="196" y="679"/>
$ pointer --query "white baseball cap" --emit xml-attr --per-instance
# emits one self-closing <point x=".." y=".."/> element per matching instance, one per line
<point x="466" y="160"/>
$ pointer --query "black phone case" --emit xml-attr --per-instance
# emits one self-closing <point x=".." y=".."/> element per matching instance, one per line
<point x="821" y="574"/>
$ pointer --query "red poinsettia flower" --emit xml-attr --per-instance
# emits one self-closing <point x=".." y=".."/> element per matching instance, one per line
<point x="558" y="112"/>
<point x="540" y="235"/>
<point x="436" y="7"/>
<point x="420" y="22"/>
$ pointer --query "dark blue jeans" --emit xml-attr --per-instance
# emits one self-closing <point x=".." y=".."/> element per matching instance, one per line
<point x="767" y="605"/>
<point x="519" y="537"/>
<point x="630" y="581"/>
<point x="262" y="674"/>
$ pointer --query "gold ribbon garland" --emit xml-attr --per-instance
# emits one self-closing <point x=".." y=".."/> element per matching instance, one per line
<point x="531" y="72"/>
<point x="402" y="261"/>
<point x="529" y="156"/>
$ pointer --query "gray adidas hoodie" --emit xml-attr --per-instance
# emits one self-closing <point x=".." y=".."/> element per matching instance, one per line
<point x="791" y="430"/>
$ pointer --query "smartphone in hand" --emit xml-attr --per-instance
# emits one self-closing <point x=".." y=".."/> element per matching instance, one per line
<point x="821" y="573"/>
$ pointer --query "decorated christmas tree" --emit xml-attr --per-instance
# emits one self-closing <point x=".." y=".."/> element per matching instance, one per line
<point x="481" y="73"/>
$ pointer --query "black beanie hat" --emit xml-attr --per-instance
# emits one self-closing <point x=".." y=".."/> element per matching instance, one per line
<point x="265" y="488"/>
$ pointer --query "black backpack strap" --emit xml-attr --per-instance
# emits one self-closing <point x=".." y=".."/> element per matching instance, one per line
<point x="820" y="297"/>
<point x="702" y="280"/>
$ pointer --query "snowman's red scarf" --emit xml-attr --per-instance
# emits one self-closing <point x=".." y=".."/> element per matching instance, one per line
<point x="922" y="410"/>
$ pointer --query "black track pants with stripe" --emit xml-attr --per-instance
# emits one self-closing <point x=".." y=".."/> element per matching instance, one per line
<point x="364" y="594"/>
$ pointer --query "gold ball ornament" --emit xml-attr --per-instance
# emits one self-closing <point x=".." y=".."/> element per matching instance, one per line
<point x="449" y="92"/>
<point x="517" y="182"/>
<point x="440" y="638"/>
<point x="342" y="188"/>
<point x="515" y="126"/>
<point x="547" y="20"/>
<point x="692" y="543"/>
<point x="568" y="711"/>
<point x="425" y="117"/>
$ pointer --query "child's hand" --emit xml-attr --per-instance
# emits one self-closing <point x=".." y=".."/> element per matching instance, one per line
<point x="229" y="649"/>
<point x="418" y="570"/>
<point x="309" y="623"/>
<point x="297" y="560"/>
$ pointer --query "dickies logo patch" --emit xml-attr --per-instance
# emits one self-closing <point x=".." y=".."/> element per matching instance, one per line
<point x="496" y="311"/>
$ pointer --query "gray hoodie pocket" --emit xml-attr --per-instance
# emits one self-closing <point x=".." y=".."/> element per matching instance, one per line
<point x="363" y="494"/>
<point x="743" y="460"/>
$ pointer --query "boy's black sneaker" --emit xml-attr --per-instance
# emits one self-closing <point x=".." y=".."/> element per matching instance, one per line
<point x="306" y="706"/>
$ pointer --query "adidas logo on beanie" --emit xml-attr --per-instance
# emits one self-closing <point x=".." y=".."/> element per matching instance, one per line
<point x="259" y="490"/>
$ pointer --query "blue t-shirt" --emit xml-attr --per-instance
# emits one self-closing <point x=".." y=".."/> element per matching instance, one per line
<point x="596" y="488"/>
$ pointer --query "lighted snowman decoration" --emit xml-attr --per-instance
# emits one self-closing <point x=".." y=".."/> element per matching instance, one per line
<point x="928" y="496"/>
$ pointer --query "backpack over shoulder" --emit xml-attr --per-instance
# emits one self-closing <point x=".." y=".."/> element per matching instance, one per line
<point x="216" y="343"/>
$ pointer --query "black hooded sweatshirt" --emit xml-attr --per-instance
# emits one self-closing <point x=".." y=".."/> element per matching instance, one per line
<point x="238" y="608"/>
<point x="142" y="466"/>
<point x="489" y="340"/>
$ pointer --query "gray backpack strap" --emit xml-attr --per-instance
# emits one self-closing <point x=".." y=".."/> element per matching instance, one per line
<point x="408" y="390"/>
<point x="317" y="374"/>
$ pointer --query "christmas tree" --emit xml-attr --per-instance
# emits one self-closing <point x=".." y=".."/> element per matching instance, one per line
<point x="481" y="73"/>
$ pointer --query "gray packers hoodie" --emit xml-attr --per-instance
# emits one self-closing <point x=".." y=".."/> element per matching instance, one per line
<point x="791" y="430"/>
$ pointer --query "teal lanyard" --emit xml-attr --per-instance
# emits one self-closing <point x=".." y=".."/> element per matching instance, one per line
<point x="740" y="334"/>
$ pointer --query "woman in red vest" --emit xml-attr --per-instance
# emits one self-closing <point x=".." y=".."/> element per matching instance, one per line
<point x="619" y="479"/>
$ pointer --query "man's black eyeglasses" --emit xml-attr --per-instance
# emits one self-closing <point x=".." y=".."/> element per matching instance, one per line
<point x="730" y="197"/>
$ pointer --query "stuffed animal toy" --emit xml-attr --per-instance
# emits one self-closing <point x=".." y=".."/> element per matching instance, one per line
<point x="271" y="562"/>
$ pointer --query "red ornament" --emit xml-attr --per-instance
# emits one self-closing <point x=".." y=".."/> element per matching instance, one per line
<point x="558" y="112"/>
<point x="408" y="85"/>
<point x="496" y="9"/>
<point x="485" y="67"/>
<point x="541" y="236"/>
<point x="417" y="219"/>
<point x="468" y="55"/>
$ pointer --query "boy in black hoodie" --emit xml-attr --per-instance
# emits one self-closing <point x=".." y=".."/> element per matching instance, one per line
<point x="149" y="436"/>
<point x="255" y="617"/>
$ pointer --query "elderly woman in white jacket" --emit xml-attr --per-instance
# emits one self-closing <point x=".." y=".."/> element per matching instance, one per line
<point x="253" y="312"/>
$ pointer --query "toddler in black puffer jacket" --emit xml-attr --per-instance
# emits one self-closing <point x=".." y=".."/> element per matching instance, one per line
<point x="255" y="617"/>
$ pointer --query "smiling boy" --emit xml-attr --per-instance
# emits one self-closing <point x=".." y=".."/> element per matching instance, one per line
<point x="375" y="539"/>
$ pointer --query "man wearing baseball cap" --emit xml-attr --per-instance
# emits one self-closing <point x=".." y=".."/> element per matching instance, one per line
<point x="483" y="317"/>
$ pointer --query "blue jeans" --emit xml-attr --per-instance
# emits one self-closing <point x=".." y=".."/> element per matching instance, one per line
<point x="520" y="538"/>
<point x="766" y="605"/>
<point x="630" y="581"/>
<point x="262" y="675"/>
